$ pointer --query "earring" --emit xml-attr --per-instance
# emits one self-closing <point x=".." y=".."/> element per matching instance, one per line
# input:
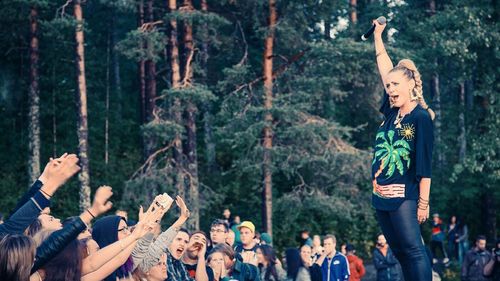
<point x="413" y="95"/>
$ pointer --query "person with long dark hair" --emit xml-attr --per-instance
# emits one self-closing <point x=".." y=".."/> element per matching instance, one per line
<point x="270" y="269"/>
<point x="401" y="167"/>
<point x="300" y="266"/>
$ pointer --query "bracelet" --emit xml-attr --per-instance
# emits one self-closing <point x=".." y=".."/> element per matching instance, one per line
<point x="41" y="190"/>
<point x="90" y="213"/>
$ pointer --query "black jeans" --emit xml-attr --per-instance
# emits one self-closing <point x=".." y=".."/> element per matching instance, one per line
<point x="402" y="232"/>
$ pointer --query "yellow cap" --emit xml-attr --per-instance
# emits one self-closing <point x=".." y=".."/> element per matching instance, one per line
<point x="247" y="224"/>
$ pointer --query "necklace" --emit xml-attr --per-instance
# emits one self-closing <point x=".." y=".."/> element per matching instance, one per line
<point x="398" y="119"/>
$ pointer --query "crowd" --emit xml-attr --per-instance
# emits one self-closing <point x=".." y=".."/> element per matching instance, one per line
<point x="36" y="246"/>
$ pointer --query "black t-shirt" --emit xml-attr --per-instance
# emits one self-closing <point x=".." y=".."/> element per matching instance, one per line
<point x="191" y="269"/>
<point x="402" y="156"/>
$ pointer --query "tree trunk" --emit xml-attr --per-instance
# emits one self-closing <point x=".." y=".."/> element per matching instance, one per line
<point x="437" y="122"/>
<point x="177" y="113"/>
<point x="81" y="100"/>
<point x="108" y="86"/>
<point x="150" y="72"/>
<point x="54" y="114"/>
<point x="207" y="108"/>
<point x="115" y="61"/>
<point x="353" y="15"/>
<point x="432" y="6"/>
<point x="191" y="141"/>
<point x="142" y="69"/>
<point x="267" y="191"/>
<point x="34" y="101"/>
<point x="462" y="140"/>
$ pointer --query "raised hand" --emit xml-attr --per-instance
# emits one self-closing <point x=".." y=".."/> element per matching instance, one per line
<point x="58" y="171"/>
<point x="185" y="213"/>
<point x="203" y="247"/>
<point x="379" y="28"/>
<point x="101" y="205"/>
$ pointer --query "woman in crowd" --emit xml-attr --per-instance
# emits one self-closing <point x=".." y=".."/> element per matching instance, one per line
<point x="270" y="268"/>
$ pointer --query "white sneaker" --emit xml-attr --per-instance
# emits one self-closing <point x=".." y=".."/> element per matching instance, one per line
<point x="446" y="260"/>
<point x="434" y="260"/>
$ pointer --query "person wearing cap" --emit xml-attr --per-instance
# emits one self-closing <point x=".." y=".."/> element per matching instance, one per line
<point x="355" y="264"/>
<point x="266" y="239"/>
<point x="248" y="246"/>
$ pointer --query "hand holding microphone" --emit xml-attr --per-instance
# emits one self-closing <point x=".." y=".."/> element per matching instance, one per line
<point x="378" y="24"/>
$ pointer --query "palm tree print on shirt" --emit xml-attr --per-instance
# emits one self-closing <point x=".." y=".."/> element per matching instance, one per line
<point x="392" y="155"/>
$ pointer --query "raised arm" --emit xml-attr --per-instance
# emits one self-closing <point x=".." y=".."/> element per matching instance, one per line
<point x="58" y="240"/>
<point x="103" y="262"/>
<point x="384" y="62"/>
<point x="163" y="241"/>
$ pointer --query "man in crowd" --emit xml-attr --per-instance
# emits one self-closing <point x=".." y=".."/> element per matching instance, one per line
<point x="218" y="231"/>
<point x="176" y="269"/>
<point x="194" y="257"/>
<point x="248" y="246"/>
<point x="334" y="265"/>
<point x="475" y="261"/>
<point x="385" y="262"/>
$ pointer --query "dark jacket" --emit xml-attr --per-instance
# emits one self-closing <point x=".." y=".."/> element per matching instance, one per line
<point x="105" y="232"/>
<point x="35" y="187"/>
<point x="56" y="242"/>
<point x="473" y="265"/>
<point x="387" y="266"/>
<point x="25" y="215"/>
<point x="243" y="271"/>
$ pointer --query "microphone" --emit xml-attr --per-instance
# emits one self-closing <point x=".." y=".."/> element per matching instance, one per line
<point x="381" y="20"/>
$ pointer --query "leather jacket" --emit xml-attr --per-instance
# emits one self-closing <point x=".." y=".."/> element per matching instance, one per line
<point x="56" y="242"/>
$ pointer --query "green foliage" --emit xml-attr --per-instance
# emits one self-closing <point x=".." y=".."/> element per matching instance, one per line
<point x="133" y="48"/>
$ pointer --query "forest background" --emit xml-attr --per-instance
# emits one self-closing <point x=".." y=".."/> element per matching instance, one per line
<point x="266" y="107"/>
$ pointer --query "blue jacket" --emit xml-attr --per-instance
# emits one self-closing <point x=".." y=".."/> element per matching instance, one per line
<point x="335" y="269"/>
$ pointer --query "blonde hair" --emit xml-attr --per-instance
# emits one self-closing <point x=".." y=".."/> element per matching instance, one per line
<point x="42" y="236"/>
<point x="411" y="72"/>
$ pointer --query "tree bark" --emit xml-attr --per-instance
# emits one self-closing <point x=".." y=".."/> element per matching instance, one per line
<point x="108" y="86"/>
<point x="353" y="15"/>
<point x="191" y="141"/>
<point x="115" y="61"/>
<point x="267" y="192"/>
<point x="81" y="100"/>
<point x="34" y="101"/>
<point x="207" y="108"/>
<point x="432" y="7"/>
<point x="462" y="139"/>
<point x="177" y="112"/>
<point x="142" y="70"/>
<point x="437" y="122"/>
<point x="150" y="72"/>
